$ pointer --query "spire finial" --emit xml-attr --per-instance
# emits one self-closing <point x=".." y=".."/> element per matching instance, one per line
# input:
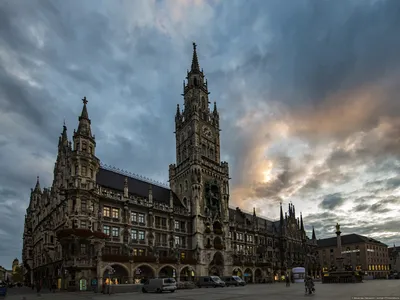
<point x="84" y="100"/>
<point x="64" y="122"/>
<point x="195" y="61"/>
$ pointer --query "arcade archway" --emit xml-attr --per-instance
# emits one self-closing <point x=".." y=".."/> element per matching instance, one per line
<point x="237" y="272"/>
<point x="116" y="273"/>
<point x="187" y="274"/>
<point x="167" y="272"/>
<point x="143" y="273"/>
<point x="248" y="275"/>
<point x="216" y="267"/>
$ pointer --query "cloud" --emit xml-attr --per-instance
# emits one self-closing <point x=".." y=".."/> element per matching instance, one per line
<point x="307" y="96"/>
<point x="332" y="201"/>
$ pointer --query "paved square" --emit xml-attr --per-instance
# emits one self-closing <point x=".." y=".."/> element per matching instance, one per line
<point x="276" y="291"/>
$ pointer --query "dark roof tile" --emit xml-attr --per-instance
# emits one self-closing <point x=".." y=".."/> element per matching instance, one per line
<point x="115" y="181"/>
<point x="347" y="240"/>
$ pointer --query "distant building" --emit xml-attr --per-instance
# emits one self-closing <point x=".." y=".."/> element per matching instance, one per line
<point x="2" y="273"/>
<point x="394" y="259"/>
<point x="360" y="253"/>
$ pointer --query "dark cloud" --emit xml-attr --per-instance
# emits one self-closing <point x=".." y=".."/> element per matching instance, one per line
<point x="332" y="201"/>
<point x="308" y="98"/>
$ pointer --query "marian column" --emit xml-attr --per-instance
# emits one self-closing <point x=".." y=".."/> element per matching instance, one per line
<point x="339" y="257"/>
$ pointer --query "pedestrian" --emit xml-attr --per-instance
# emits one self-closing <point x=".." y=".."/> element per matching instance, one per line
<point x="287" y="280"/>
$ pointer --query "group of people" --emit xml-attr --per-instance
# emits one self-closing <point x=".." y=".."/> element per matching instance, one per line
<point x="308" y="283"/>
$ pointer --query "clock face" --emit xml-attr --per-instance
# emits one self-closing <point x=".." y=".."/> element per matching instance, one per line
<point x="207" y="132"/>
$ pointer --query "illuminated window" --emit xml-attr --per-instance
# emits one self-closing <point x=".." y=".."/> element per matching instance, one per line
<point x="106" y="230"/>
<point x="106" y="211"/>
<point x="183" y="255"/>
<point x="134" y="235"/>
<point x="133" y="216"/>
<point x="141" y="235"/>
<point x="141" y="218"/>
<point x="115" y="232"/>
<point x="141" y="252"/>
<point x="115" y="213"/>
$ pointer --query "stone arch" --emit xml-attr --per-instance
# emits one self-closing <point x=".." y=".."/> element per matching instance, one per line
<point x="248" y="275"/>
<point x="237" y="272"/>
<point x="167" y="271"/>
<point x="120" y="273"/>
<point x="187" y="273"/>
<point x="258" y="275"/>
<point x="143" y="272"/>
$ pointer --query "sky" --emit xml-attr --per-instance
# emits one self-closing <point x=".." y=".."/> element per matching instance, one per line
<point x="308" y="96"/>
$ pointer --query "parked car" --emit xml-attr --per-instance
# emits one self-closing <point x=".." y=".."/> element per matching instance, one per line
<point x="210" y="281"/>
<point x="159" y="285"/>
<point x="233" y="281"/>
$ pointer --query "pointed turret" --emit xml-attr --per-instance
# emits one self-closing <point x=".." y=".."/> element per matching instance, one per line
<point x="301" y="223"/>
<point x="195" y="68"/>
<point x="281" y="221"/>
<point x="254" y="212"/>
<point x="314" y="237"/>
<point x="84" y="128"/>
<point x="37" y="187"/>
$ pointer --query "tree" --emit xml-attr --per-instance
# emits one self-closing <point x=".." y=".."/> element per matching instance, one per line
<point x="17" y="275"/>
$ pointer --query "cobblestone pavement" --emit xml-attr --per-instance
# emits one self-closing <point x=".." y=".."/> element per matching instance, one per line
<point x="251" y="292"/>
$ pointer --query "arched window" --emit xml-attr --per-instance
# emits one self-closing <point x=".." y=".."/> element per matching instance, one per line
<point x="195" y="81"/>
<point x="180" y="188"/>
<point x="186" y="185"/>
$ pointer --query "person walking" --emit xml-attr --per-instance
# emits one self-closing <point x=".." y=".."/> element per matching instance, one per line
<point x="287" y="280"/>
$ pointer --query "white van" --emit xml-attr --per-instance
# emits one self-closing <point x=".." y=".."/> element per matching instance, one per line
<point x="159" y="285"/>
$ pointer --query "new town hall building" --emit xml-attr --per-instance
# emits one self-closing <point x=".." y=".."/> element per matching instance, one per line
<point x="96" y="221"/>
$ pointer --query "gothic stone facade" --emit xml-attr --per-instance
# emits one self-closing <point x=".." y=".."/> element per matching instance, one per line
<point x="95" y="217"/>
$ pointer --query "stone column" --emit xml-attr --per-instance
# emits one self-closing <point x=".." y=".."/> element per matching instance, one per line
<point x="339" y="258"/>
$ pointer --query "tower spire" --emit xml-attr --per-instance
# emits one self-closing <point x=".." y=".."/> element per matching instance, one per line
<point x="37" y="187"/>
<point x="84" y="113"/>
<point x="84" y="121"/>
<point x="301" y="223"/>
<point x="195" y="61"/>
<point x="313" y="234"/>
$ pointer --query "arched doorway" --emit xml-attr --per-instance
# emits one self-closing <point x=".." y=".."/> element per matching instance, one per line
<point x="117" y="274"/>
<point x="167" y="272"/>
<point x="216" y="267"/>
<point x="143" y="273"/>
<point x="258" y="276"/>
<point x="248" y="275"/>
<point x="237" y="272"/>
<point x="187" y="274"/>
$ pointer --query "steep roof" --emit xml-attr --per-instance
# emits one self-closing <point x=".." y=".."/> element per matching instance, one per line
<point x="347" y="240"/>
<point x="115" y="181"/>
<point x="242" y="217"/>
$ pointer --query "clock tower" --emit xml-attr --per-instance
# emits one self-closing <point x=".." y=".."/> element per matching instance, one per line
<point x="199" y="178"/>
